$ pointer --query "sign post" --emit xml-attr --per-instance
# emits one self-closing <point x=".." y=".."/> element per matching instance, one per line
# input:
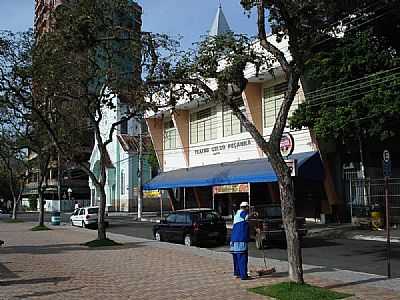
<point x="386" y="173"/>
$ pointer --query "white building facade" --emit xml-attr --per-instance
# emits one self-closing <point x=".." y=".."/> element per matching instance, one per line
<point x="200" y="144"/>
<point x="122" y="168"/>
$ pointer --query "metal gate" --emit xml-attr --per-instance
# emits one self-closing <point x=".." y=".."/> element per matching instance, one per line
<point x="362" y="194"/>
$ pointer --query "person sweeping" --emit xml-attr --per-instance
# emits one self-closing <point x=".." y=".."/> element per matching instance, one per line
<point x="239" y="241"/>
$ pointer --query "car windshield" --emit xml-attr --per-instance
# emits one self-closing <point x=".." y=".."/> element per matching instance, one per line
<point x="93" y="210"/>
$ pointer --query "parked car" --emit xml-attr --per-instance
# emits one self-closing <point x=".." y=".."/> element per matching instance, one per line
<point x="266" y="226"/>
<point x="191" y="226"/>
<point x="84" y="216"/>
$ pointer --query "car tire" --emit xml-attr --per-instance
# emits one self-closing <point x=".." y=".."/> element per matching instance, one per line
<point x="72" y="223"/>
<point x="157" y="236"/>
<point x="259" y="242"/>
<point x="83" y="224"/>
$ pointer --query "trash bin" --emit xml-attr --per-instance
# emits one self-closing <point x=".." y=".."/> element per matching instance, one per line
<point x="55" y="218"/>
<point x="376" y="217"/>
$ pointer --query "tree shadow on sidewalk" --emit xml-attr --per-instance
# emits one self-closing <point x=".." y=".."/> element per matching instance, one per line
<point x="62" y="248"/>
<point x="353" y="283"/>
<point x="47" y="293"/>
<point x="54" y="280"/>
<point x="6" y="272"/>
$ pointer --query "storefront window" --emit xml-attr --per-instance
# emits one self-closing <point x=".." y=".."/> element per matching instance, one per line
<point x="203" y="125"/>
<point x="169" y="136"/>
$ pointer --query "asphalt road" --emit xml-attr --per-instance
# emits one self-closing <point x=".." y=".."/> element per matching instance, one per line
<point x="355" y="255"/>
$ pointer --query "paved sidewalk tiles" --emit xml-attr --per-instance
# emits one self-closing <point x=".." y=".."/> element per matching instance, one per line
<point x="53" y="265"/>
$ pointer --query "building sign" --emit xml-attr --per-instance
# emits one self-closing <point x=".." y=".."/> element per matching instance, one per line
<point x="218" y="149"/>
<point x="292" y="165"/>
<point x="287" y="144"/>
<point x="232" y="188"/>
<point x="151" y="194"/>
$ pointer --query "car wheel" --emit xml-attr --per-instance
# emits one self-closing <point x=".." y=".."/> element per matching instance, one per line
<point x="83" y="224"/>
<point x="188" y="240"/>
<point x="259" y="242"/>
<point x="72" y="223"/>
<point x="157" y="236"/>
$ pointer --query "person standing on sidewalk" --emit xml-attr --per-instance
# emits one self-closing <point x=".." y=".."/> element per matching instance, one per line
<point x="239" y="241"/>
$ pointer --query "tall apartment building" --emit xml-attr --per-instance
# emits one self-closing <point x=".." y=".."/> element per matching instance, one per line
<point x="43" y="10"/>
<point x="67" y="182"/>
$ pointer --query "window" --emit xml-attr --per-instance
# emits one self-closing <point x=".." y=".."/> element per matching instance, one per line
<point x="273" y="98"/>
<point x="93" y="211"/>
<point x="203" y="125"/>
<point x="124" y="127"/>
<point x="231" y="124"/>
<point x="171" y="218"/>
<point x="122" y="182"/>
<point x="81" y="212"/>
<point x="211" y="216"/>
<point x="169" y="136"/>
<point x="181" y="218"/>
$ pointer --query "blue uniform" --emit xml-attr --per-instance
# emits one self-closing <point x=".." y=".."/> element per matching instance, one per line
<point x="239" y="243"/>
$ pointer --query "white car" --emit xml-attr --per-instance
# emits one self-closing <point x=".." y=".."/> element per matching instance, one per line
<point x="84" y="216"/>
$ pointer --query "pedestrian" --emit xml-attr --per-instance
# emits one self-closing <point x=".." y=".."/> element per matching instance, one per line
<point x="239" y="241"/>
<point x="76" y="205"/>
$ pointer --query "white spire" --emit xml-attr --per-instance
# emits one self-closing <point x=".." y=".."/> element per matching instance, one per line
<point x="220" y="24"/>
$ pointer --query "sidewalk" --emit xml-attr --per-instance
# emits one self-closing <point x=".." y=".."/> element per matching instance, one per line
<point x="53" y="265"/>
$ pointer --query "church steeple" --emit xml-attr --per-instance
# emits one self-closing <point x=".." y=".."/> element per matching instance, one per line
<point x="220" y="24"/>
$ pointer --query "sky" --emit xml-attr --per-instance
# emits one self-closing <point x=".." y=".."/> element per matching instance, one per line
<point x="187" y="18"/>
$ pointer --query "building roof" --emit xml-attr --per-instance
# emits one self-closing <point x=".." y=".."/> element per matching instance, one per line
<point x="220" y="24"/>
<point x="128" y="142"/>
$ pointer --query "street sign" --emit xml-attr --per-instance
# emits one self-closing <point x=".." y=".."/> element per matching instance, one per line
<point x="387" y="164"/>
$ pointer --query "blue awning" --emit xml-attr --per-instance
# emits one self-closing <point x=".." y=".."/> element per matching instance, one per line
<point x="254" y="170"/>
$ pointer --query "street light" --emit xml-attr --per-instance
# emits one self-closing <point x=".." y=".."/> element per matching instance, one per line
<point x="69" y="191"/>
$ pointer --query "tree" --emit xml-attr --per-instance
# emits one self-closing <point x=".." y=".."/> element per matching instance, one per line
<point x="363" y="66"/>
<point x="94" y="53"/>
<point x="24" y="139"/>
<point x="14" y="167"/>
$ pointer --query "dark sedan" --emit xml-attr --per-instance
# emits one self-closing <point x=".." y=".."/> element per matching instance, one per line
<point x="191" y="226"/>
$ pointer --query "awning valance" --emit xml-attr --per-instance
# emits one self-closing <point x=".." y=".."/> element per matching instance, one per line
<point x="309" y="166"/>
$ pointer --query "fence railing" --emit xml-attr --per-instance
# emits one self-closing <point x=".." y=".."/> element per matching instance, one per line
<point x="362" y="194"/>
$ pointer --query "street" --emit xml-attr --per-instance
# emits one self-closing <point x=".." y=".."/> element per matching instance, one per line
<point x="355" y="255"/>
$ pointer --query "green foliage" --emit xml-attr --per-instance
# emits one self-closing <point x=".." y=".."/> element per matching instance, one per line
<point x="354" y="95"/>
<point x="295" y="291"/>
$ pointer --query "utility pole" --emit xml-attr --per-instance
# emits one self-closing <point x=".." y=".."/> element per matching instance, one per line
<point x="140" y="173"/>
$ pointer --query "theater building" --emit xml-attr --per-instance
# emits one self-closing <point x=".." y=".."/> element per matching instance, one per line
<point x="207" y="159"/>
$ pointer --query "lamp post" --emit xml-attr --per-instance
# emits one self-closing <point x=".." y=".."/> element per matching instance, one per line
<point x="69" y="191"/>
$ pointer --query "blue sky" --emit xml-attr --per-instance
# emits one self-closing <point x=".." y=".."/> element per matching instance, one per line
<point x="188" y="18"/>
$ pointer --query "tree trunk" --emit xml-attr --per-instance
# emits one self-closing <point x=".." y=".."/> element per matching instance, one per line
<point x="295" y="262"/>
<point x="101" y="230"/>
<point x="15" y="208"/>
<point x="41" y="208"/>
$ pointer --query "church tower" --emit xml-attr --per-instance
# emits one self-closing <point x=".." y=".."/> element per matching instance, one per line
<point x="220" y="24"/>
